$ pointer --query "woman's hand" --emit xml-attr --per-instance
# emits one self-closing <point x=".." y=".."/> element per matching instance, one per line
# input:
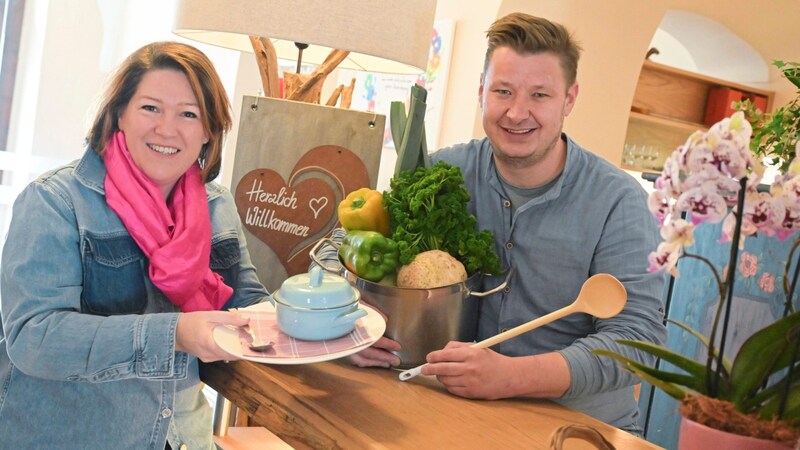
<point x="377" y="355"/>
<point x="195" y="333"/>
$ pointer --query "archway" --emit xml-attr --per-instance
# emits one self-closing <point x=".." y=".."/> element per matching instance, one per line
<point x="699" y="44"/>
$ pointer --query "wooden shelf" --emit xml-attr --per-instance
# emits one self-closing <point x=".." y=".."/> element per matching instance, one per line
<point x="669" y="104"/>
<point x="680" y="94"/>
<point x="691" y="127"/>
<point x="655" y="172"/>
<point x="674" y="72"/>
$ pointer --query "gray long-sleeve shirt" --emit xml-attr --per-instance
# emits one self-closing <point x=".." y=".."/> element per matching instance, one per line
<point x="593" y="219"/>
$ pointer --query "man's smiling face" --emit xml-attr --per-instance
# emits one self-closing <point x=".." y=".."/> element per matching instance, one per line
<point x="524" y="100"/>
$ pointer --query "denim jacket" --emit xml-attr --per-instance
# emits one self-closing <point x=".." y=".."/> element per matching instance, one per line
<point x="87" y="346"/>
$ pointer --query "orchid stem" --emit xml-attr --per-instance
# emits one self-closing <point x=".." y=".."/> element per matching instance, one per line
<point x="788" y="385"/>
<point x="789" y="291"/>
<point x="721" y="288"/>
<point x="730" y="278"/>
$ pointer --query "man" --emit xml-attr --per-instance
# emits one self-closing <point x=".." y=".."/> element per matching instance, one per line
<point x="559" y="214"/>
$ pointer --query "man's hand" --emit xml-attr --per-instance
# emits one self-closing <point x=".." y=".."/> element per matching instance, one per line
<point x="470" y="372"/>
<point x="195" y="333"/>
<point x="377" y="355"/>
<point x="485" y="374"/>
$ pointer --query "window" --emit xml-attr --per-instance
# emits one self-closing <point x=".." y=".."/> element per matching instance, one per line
<point x="10" y="30"/>
<point x="11" y="12"/>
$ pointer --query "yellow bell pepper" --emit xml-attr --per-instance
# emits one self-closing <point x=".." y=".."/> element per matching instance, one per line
<point x="363" y="209"/>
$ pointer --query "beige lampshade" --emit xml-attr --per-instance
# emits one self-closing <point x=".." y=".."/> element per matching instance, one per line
<point x="384" y="36"/>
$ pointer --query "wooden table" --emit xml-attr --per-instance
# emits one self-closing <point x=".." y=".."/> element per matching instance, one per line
<point x="334" y="405"/>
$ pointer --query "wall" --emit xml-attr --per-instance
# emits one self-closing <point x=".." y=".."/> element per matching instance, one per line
<point x="71" y="68"/>
<point x="461" y="120"/>
<point x="772" y="31"/>
<point x="61" y="72"/>
<point x="607" y="80"/>
<point x="609" y="66"/>
<point x="615" y="35"/>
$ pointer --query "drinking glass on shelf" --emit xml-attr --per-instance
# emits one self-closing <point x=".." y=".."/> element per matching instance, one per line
<point x="640" y="155"/>
<point x="653" y="154"/>
<point x="647" y="156"/>
<point x="629" y="155"/>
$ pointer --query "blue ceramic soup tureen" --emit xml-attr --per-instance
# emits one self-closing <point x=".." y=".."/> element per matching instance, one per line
<point x="317" y="306"/>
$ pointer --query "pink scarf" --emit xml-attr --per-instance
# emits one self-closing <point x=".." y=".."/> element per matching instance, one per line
<point x="176" y="237"/>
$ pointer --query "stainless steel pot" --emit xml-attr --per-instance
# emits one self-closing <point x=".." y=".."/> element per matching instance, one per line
<point x="421" y="320"/>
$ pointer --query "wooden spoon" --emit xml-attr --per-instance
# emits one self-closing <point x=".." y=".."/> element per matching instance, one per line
<point x="601" y="295"/>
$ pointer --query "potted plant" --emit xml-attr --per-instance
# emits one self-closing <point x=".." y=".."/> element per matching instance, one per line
<point x="713" y="177"/>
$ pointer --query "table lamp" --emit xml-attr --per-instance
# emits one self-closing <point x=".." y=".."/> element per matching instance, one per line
<point x="374" y="36"/>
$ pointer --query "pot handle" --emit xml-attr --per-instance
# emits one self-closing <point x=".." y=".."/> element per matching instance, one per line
<point x="499" y="288"/>
<point x="351" y="316"/>
<point x="314" y="250"/>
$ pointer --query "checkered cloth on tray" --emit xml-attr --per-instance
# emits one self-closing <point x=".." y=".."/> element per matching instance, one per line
<point x="265" y="325"/>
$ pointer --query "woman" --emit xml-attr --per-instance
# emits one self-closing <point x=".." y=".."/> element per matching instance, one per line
<point x="117" y="267"/>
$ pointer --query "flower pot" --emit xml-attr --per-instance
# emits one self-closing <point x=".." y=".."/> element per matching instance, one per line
<point x="694" y="436"/>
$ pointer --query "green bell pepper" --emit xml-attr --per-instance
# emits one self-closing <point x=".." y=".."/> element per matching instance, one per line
<point x="369" y="254"/>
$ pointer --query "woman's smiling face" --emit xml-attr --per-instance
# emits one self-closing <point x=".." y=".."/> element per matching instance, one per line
<point x="163" y="128"/>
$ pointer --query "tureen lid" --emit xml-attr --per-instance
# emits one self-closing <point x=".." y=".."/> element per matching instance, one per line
<point x="316" y="289"/>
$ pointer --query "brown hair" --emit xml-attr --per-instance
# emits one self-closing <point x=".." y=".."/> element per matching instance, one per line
<point x="524" y="33"/>
<point x="215" y="110"/>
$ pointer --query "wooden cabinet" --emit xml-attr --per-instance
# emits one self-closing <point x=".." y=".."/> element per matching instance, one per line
<point x="669" y="105"/>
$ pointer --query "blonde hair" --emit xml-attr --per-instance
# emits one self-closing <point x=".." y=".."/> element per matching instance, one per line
<point x="524" y="33"/>
<point x="215" y="109"/>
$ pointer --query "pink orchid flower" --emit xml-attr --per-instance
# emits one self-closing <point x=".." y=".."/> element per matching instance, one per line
<point x="678" y="231"/>
<point x="659" y="206"/>
<point x="665" y="258"/>
<point x="762" y="211"/>
<point x="704" y="204"/>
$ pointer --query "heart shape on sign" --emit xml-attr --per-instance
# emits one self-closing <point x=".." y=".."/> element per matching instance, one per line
<point x="317" y="205"/>
<point x="280" y="215"/>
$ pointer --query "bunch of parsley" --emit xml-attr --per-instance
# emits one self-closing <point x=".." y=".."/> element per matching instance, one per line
<point x="428" y="211"/>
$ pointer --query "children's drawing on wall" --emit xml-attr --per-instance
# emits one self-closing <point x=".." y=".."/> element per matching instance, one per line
<point x="375" y="92"/>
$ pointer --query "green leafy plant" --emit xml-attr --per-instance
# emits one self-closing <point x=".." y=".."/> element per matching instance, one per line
<point x="775" y="134"/>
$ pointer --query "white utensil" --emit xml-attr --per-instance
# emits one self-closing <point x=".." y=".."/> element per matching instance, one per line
<point x="256" y="344"/>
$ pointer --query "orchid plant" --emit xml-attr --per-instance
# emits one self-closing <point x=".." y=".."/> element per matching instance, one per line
<point x="714" y="177"/>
